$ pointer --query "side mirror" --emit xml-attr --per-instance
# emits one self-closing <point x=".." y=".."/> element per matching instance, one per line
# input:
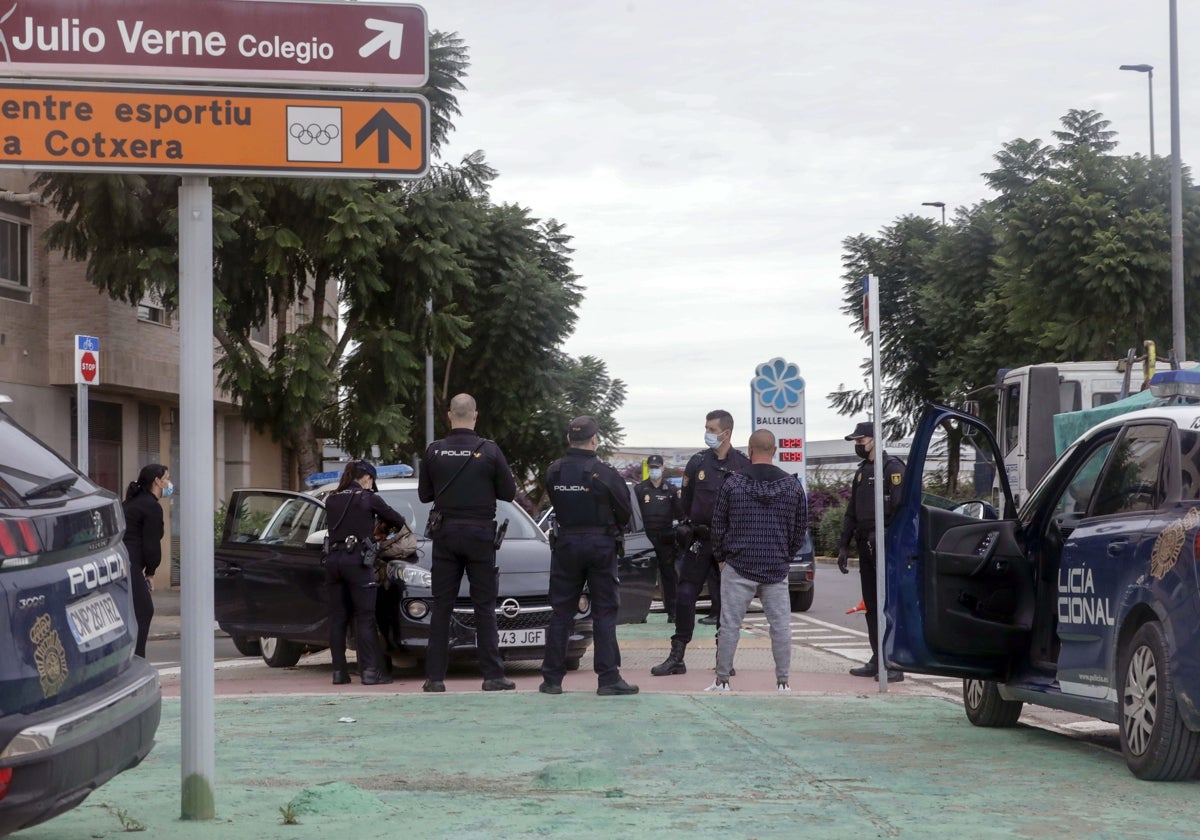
<point x="977" y="509"/>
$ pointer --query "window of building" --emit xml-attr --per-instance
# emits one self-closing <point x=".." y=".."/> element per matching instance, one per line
<point x="15" y="238"/>
<point x="151" y="309"/>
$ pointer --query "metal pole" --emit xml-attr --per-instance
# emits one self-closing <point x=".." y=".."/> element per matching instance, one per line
<point x="429" y="377"/>
<point x="1177" y="323"/>
<point x="81" y="428"/>
<point x="198" y="761"/>
<point x="1150" y="80"/>
<point x="877" y="418"/>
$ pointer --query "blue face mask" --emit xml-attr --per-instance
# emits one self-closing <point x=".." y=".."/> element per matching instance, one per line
<point x="712" y="441"/>
<point x="656" y="474"/>
<point x="168" y="491"/>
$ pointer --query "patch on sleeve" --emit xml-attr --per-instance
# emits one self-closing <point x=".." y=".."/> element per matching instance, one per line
<point x="896" y="478"/>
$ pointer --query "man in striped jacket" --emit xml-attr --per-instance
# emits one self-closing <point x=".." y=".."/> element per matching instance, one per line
<point x="758" y="526"/>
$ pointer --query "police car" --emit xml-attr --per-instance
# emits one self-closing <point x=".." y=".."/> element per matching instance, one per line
<point x="76" y="706"/>
<point x="1086" y="600"/>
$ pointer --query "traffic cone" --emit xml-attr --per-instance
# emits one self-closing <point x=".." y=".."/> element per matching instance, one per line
<point x="862" y="607"/>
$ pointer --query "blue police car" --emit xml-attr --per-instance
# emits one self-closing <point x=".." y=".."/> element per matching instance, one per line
<point x="1087" y="599"/>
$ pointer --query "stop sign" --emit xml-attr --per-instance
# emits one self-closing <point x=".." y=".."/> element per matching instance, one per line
<point x="87" y="366"/>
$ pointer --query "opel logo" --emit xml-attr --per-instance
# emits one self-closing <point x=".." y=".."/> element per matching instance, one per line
<point x="510" y="608"/>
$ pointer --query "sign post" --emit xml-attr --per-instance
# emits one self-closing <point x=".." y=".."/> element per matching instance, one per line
<point x="871" y="300"/>
<point x="87" y="372"/>
<point x="196" y="132"/>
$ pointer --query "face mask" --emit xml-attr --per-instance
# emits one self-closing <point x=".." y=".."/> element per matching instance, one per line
<point x="168" y="490"/>
<point x="712" y="441"/>
<point x="860" y="450"/>
<point x="656" y="474"/>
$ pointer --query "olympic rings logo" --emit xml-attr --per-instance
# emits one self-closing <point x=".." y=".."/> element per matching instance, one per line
<point x="312" y="133"/>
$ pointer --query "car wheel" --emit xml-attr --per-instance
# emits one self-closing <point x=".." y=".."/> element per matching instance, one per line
<point x="572" y="663"/>
<point x="985" y="706"/>
<point x="280" y="653"/>
<point x="246" y="646"/>
<point x="1156" y="744"/>
<point x="801" y="601"/>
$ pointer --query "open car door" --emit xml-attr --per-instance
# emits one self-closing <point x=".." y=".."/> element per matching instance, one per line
<point x="960" y="589"/>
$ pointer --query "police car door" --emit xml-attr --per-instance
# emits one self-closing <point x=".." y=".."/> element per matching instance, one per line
<point x="959" y="588"/>
<point x="1106" y="550"/>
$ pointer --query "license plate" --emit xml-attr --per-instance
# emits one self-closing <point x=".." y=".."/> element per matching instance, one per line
<point x="523" y="638"/>
<point x="93" y="617"/>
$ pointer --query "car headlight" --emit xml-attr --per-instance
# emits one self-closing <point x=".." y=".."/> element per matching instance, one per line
<point x="416" y="609"/>
<point x="410" y="574"/>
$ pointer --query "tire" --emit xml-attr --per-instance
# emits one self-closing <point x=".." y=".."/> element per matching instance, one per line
<point x="572" y="663"/>
<point x="1156" y="744"/>
<point x="985" y="706"/>
<point x="246" y="646"/>
<point x="280" y="653"/>
<point x="802" y="600"/>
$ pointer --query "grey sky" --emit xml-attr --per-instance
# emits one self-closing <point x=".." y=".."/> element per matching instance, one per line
<point x="709" y="158"/>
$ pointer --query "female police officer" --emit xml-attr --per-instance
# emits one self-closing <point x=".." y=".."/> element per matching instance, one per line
<point x="351" y="512"/>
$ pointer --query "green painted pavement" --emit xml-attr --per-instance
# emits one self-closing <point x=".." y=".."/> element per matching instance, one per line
<point x="524" y="765"/>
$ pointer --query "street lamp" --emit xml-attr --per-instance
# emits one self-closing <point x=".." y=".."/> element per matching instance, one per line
<point x="940" y="204"/>
<point x="1148" y="69"/>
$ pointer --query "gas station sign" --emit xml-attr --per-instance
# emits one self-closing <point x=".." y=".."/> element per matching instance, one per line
<point x="777" y="404"/>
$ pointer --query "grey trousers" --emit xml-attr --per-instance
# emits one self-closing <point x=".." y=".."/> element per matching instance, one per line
<point x="736" y="594"/>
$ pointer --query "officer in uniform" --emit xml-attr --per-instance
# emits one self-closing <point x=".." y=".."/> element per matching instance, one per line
<point x="659" y="503"/>
<point x="859" y="525"/>
<point x="702" y="480"/>
<point x="351" y="512"/>
<point x="463" y="475"/>
<point x="591" y="509"/>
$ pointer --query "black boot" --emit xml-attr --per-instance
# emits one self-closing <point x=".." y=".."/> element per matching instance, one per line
<point x="673" y="664"/>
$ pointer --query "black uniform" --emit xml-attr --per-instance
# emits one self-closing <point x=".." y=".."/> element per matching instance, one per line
<point x="463" y="475"/>
<point x="143" y="541"/>
<point x="661" y="508"/>
<point x="702" y="480"/>
<point x="591" y="509"/>
<point x="351" y="515"/>
<point x="859" y="525"/>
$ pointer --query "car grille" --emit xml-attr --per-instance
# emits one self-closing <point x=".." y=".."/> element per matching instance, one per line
<point x="535" y="612"/>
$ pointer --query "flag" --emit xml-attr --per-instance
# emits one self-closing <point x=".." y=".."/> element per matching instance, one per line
<point x="867" y="301"/>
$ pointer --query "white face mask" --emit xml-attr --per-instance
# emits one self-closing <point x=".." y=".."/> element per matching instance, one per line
<point x="655" y="474"/>
<point x="712" y="441"/>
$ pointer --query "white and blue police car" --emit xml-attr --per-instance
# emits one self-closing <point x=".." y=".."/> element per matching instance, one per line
<point x="1087" y="599"/>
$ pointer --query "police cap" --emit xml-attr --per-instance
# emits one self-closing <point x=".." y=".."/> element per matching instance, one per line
<point x="654" y="461"/>
<point x="865" y="429"/>
<point x="582" y="428"/>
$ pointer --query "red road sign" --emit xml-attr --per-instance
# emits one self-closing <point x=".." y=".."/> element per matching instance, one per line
<point x="325" y="42"/>
<point x="87" y="366"/>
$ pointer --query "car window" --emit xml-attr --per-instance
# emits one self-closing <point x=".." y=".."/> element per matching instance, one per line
<point x="28" y="465"/>
<point x="1189" y="462"/>
<point x="1012" y="417"/>
<point x="1130" y="481"/>
<point x="266" y="517"/>
<point x="291" y="523"/>
<point x="1072" y="505"/>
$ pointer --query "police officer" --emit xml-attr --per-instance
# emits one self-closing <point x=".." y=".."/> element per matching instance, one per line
<point x="463" y="475"/>
<point x="591" y="508"/>
<point x="659" y="503"/>
<point x="702" y="479"/>
<point x="859" y="525"/>
<point x="351" y="512"/>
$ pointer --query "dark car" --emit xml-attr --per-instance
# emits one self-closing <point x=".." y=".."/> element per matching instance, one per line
<point x="1086" y="600"/>
<point x="76" y="706"/>
<point x="270" y="590"/>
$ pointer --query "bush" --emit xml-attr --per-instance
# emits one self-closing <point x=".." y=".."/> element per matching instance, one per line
<point x="829" y="532"/>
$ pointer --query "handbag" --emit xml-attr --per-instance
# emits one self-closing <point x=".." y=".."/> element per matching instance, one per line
<point x="398" y="545"/>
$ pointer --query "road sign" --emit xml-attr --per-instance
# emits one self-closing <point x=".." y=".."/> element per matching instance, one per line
<point x="325" y="42"/>
<point x="213" y="131"/>
<point x="87" y="360"/>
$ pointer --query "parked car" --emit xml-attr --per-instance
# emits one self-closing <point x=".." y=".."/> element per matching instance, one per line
<point x="76" y="706"/>
<point x="270" y="584"/>
<point x="1086" y="600"/>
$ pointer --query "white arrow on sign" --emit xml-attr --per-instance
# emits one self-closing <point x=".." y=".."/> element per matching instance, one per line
<point x="390" y="33"/>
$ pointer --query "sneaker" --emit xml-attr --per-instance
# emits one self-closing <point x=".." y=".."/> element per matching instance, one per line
<point x="550" y="688"/>
<point x="620" y="687"/>
<point x="719" y="685"/>
<point x="782" y="685"/>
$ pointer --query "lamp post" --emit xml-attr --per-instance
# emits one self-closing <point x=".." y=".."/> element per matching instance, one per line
<point x="940" y="204"/>
<point x="1178" y="341"/>
<point x="1148" y="69"/>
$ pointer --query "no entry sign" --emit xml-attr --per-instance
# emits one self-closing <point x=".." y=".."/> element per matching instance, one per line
<point x="325" y="42"/>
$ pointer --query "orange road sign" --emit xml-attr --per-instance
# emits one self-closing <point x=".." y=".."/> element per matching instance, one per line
<point x="213" y="131"/>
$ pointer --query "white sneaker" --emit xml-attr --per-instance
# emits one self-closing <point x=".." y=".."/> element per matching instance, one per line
<point x="719" y="685"/>
<point x="782" y="686"/>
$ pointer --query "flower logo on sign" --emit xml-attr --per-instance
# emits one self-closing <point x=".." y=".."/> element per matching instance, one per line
<point x="778" y="384"/>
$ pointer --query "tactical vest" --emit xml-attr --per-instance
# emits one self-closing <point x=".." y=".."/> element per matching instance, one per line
<point x="579" y="500"/>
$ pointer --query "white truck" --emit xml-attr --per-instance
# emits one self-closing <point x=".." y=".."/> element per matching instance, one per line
<point x="1029" y="397"/>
